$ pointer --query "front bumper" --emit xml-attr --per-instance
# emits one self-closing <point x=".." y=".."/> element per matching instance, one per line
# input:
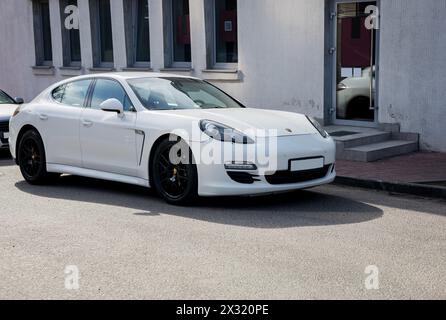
<point x="4" y="129"/>
<point x="214" y="180"/>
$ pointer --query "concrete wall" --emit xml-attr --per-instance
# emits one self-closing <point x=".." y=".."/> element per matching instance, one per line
<point x="17" y="50"/>
<point x="280" y="50"/>
<point x="281" y="56"/>
<point x="412" y="89"/>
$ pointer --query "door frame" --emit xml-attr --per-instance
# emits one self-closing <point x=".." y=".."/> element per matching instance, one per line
<point x="331" y="67"/>
<point x="88" y="107"/>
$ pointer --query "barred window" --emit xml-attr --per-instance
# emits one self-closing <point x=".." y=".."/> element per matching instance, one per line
<point x="101" y="33"/>
<point x="42" y="33"/>
<point x="177" y="40"/>
<point x="137" y="32"/>
<point x="70" y="34"/>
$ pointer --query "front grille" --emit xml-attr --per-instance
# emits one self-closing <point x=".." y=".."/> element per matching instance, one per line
<point x="4" y="126"/>
<point x="286" y="177"/>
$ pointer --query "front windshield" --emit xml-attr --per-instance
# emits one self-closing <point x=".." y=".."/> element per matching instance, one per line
<point x="5" y="99"/>
<point x="179" y="93"/>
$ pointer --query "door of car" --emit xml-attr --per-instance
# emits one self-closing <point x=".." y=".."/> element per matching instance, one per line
<point x="58" y="122"/>
<point x="107" y="138"/>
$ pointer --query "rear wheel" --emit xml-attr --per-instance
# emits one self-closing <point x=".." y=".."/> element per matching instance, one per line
<point x="174" y="173"/>
<point x="31" y="159"/>
<point x="359" y="108"/>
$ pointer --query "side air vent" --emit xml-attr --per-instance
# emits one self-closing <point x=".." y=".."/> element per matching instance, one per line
<point x="242" y="177"/>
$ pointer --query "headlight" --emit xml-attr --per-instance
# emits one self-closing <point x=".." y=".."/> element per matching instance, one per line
<point x="318" y="127"/>
<point x="223" y="133"/>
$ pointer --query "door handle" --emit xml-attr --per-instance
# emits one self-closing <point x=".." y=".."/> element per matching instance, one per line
<point x="43" y="117"/>
<point x="87" y="123"/>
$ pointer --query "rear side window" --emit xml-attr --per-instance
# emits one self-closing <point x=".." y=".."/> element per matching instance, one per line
<point x="58" y="93"/>
<point x="72" y="93"/>
<point x="105" y="89"/>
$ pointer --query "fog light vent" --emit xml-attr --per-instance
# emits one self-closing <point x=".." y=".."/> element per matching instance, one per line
<point x="243" y="177"/>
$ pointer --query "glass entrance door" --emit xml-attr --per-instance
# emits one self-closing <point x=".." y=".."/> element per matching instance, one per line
<point x="355" y="61"/>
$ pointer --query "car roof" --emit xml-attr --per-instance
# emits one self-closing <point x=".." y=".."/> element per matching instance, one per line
<point x="125" y="75"/>
<point x="120" y="76"/>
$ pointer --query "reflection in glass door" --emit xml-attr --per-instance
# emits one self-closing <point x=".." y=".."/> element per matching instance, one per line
<point x="355" y="63"/>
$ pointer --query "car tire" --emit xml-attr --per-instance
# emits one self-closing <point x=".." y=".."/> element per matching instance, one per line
<point x="177" y="184"/>
<point x="358" y="108"/>
<point x="32" y="160"/>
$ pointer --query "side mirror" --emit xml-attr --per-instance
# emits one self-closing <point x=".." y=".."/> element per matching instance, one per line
<point x="18" y="100"/>
<point x="112" y="105"/>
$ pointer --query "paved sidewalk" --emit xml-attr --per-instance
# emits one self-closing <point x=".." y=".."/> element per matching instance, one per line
<point x="422" y="173"/>
<point x="415" y="167"/>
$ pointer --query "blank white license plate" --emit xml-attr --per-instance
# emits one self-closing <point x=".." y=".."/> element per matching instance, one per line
<point x="5" y="135"/>
<point x="307" y="164"/>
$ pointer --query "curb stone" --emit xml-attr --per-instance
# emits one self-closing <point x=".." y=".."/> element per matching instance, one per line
<point x="396" y="187"/>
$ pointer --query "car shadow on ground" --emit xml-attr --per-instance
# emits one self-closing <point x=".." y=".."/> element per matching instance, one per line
<point x="5" y="158"/>
<point x="300" y="208"/>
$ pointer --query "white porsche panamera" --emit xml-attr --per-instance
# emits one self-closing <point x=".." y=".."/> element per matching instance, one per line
<point x="180" y="135"/>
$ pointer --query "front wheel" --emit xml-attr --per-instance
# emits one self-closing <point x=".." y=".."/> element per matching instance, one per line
<point x="31" y="159"/>
<point x="174" y="173"/>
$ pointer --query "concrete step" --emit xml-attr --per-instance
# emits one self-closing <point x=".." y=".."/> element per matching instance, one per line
<point x="363" y="138"/>
<point x="380" y="150"/>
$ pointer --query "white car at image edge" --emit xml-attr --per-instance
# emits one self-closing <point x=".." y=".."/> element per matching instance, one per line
<point x="119" y="127"/>
<point x="7" y="107"/>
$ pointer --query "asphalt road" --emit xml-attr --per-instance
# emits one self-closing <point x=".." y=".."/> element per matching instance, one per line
<point x="127" y="243"/>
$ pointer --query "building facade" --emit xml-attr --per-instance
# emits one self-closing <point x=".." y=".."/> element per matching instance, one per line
<point x="361" y="63"/>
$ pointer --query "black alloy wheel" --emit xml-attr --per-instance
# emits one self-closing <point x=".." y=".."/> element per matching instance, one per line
<point x="174" y="174"/>
<point x="31" y="159"/>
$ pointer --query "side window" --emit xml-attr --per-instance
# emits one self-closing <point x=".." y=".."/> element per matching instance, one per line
<point x="73" y="93"/>
<point x="108" y="89"/>
<point x="58" y="93"/>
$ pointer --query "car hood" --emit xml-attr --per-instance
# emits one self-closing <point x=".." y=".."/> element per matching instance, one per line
<point x="276" y="123"/>
<point x="6" y="111"/>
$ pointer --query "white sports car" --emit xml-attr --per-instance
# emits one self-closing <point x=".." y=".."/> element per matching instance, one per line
<point x="180" y="135"/>
<point x="7" y="107"/>
<point x="353" y="96"/>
